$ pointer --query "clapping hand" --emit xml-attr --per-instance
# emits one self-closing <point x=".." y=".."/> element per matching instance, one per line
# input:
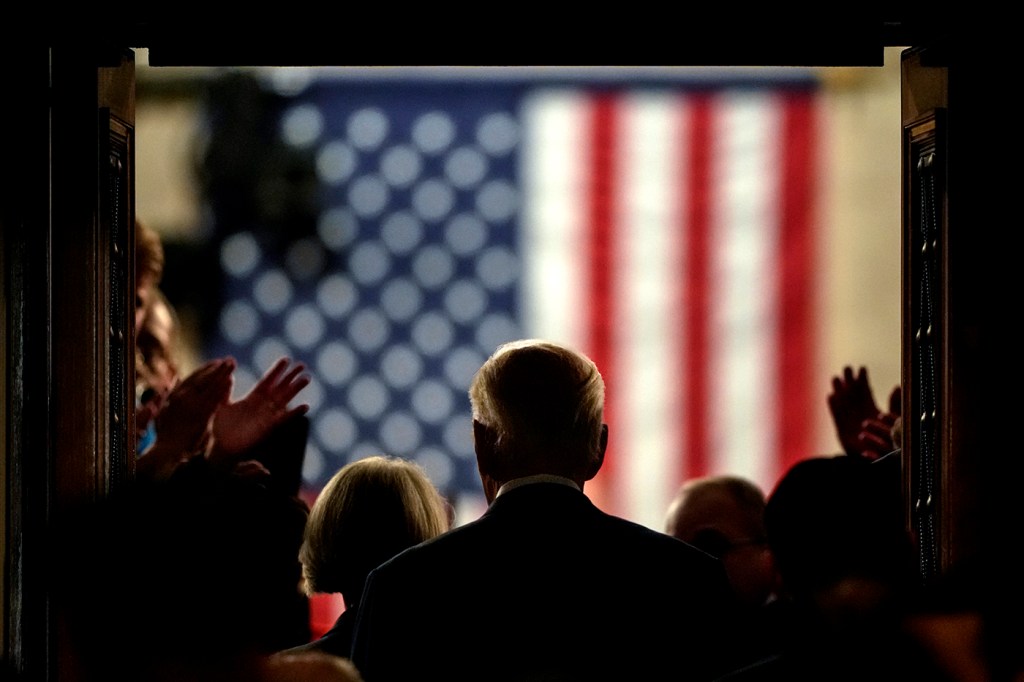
<point x="183" y="420"/>
<point x="239" y="425"/>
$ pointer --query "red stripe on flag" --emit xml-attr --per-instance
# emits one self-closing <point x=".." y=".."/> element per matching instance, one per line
<point x="797" y="286"/>
<point x="697" y="228"/>
<point x="602" y="194"/>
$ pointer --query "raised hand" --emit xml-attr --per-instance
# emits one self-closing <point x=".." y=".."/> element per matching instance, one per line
<point x="851" y="404"/>
<point x="241" y="424"/>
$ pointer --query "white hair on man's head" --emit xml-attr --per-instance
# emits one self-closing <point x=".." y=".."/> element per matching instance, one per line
<point x="543" y="401"/>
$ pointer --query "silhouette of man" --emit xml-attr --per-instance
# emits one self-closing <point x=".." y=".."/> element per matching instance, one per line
<point x="544" y="585"/>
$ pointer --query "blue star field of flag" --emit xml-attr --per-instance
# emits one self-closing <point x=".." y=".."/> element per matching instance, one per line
<point x="407" y="283"/>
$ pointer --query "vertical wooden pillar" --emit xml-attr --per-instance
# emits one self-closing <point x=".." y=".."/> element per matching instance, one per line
<point x="68" y="267"/>
<point x="927" y="448"/>
<point x="954" y="257"/>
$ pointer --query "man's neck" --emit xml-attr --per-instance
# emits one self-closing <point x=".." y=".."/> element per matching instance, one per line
<point x="537" y="478"/>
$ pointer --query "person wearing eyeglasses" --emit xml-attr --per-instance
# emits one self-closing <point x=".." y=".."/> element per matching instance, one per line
<point x="724" y="516"/>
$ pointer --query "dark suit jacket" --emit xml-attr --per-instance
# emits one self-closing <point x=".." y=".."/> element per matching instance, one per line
<point x="544" y="586"/>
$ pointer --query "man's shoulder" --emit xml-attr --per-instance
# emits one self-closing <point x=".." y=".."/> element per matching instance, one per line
<point x="650" y="559"/>
<point x="611" y="523"/>
<point x="435" y="549"/>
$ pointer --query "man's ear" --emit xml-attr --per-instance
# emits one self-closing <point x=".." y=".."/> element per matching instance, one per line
<point x="595" y="465"/>
<point x="484" y="439"/>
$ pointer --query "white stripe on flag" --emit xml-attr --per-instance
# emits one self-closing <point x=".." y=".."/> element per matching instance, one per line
<point x="554" y="305"/>
<point x="647" y="331"/>
<point x="744" y="286"/>
<point x="650" y="368"/>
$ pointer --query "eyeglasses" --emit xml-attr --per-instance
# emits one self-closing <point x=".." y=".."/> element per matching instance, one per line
<point x="716" y="544"/>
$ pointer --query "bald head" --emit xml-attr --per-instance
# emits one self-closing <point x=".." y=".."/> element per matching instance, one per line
<point x="725" y="503"/>
<point x="724" y="516"/>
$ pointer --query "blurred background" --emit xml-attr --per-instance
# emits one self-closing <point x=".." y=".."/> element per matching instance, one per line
<point x="722" y="241"/>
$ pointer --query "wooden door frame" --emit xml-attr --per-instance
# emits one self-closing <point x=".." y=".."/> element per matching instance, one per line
<point x="59" y="344"/>
<point x="67" y="270"/>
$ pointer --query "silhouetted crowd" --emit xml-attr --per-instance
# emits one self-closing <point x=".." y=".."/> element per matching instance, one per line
<point x="202" y="568"/>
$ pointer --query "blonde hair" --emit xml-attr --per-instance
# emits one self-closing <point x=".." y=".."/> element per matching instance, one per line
<point x="369" y="511"/>
<point x="149" y="254"/>
<point x="157" y="340"/>
<point x="545" y="404"/>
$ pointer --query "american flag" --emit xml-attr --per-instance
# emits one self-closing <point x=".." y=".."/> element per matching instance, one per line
<point x="663" y="224"/>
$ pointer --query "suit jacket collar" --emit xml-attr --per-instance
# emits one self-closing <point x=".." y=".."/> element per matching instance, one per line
<point x="546" y="500"/>
<point x="537" y="478"/>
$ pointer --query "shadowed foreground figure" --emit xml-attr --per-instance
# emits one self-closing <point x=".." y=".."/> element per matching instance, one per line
<point x="544" y="585"/>
<point x="847" y="570"/>
<point x="193" y="578"/>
